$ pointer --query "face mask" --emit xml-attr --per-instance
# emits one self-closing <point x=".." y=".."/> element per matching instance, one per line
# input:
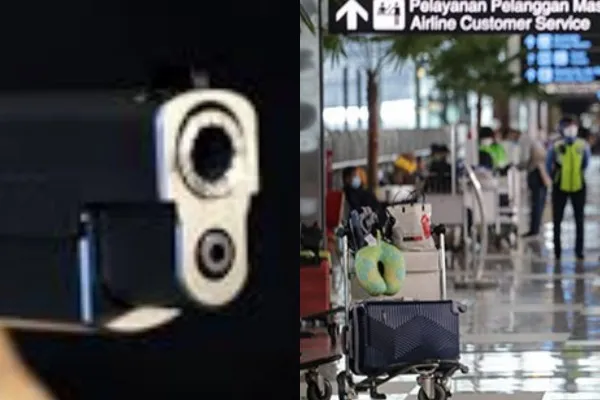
<point x="355" y="182"/>
<point x="487" y="141"/>
<point x="570" y="131"/>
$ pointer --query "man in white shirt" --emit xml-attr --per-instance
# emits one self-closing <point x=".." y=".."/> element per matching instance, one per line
<point x="533" y="161"/>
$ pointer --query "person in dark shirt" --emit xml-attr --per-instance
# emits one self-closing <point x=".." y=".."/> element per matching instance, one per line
<point x="486" y="140"/>
<point x="440" y="170"/>
<point x="439" y="164"/>
<point x="422" y="169"/>
<point x="566" y="162"/>
<point x="357" y="197"/>
<point x="586" y="134"/>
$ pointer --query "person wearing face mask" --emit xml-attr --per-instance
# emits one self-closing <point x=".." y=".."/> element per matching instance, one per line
<point x="566" y="162"/>
<point x="362" y="174"/>
<point x="357" y="196"/>
<point x="351" y="178"/>
<point x="492" y="154"/>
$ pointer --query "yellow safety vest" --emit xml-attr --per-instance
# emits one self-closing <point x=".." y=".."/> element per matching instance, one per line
<point x="569" y="159"/>
<point x="498" y="154"/>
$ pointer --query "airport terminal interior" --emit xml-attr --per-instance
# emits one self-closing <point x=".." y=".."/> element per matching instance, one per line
<point x="536" y="336"/>
<point x="533" y="333"/>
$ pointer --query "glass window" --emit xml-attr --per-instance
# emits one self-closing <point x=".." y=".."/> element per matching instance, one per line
<point x="395" y="86"/>
<point x="357" y="87"/>
<point x="398" y="114"/>
<point x="523" y="116"/>
<point x="487" y="112"/>
<point x="333" y="94"/>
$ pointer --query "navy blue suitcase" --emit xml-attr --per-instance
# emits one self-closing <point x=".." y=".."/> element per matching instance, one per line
<point x="388" y="334"/>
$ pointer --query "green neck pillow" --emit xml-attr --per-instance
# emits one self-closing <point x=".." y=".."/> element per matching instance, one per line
<point x="375" y="282"/>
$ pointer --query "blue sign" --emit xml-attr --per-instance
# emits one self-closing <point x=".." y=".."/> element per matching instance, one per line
<point x="561" y="58"/>
<point x="579" y="58"/>
<point x="545" y="75"/>
<point x="531" y="59"/>
<point x="544" y="58"/>
<point x="530" y="75"/>
<point x="529" y="41"/>
<point x="544" y="41"/>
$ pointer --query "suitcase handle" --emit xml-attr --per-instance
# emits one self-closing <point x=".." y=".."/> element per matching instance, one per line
<point x="458" y="307"/>
<point x="345" y="340"/>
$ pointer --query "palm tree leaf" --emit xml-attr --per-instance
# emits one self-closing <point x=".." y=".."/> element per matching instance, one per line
<point x="334" y="47"/>
<point x="479" y="64"/>
<point x="306" y="21"/>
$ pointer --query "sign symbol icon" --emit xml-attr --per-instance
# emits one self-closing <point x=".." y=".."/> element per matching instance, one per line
<point x="389" y="15"/>
<point x="531" y="57"/>
<point x="545" y="75"/>
<point x="530" y="75"/>
<point x="530" y="41"/>
<point x="544" y="58"/>
<point x="561" y="58"/>
<point x="544" y="41"/>
<point x="352" y="10"/>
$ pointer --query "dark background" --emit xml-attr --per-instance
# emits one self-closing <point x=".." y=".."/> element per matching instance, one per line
<point x="576" y="105"/>
<point x="249" y="350"/>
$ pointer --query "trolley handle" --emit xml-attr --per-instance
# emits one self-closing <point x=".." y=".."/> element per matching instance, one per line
<point x="340" y="232"/>
<point x="439" y="229"/>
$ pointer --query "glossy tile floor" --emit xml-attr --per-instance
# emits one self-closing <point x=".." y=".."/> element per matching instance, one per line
<point x="536" y="336"/>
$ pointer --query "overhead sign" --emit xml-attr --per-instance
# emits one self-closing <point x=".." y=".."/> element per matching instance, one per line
<point x="463" y="16"/>
<point x="562" y="63"/>
<point x="351" y="11"/>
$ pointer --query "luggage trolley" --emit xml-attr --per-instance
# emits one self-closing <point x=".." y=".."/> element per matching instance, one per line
<point x="316" y="310"/>
<point x="373" y="335"/>
<point x="509" y="204"/>
<point x="317" y="386"/>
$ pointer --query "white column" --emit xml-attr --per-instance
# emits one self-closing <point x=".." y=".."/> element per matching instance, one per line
<point x="544" y="116"/>
<point x="312" y="157"/>
<point x="513" y="48"/>
<point x="532" y="119"/>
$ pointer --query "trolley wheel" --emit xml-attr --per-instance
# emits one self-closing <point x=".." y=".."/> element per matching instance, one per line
<point x="314" y="392"/>
<point x="345" y="389"/>
<point x="439" y="393"/>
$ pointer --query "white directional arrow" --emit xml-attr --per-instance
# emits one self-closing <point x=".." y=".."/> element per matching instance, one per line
<point x="352" y="10"/>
